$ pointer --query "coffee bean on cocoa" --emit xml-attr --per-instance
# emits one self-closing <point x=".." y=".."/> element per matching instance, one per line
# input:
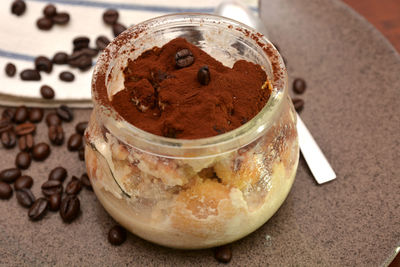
<point x="30" y="75"/>
<point x="117" y="235"/>
<point x="298" y="104"/>
<point x="74" y="186"/>
<point x="65" y="113"/>
<point x="51" y="187"/>
<point x="35" y="115"/>
<point x="299" y="86"/>
<point x="70" y="208"/>
<point x="10" y="175"/>
<point x="66" y="76"/>
<point x="56" y="135"/>
<point x="60" y="58"/>
<point x="203" y="75"/>
<point x="38" y="209"/>
<point x="43" y="63"/>
<point x="18" y="7"/>
<point x="75" y="142"/>
<point x="102" y="42"/>
<point x="5" y="190"/>
<point x="54" y="202"/>
<point x="40" y="151"/>
<point x="110" y="16"/>
<point x="81" y="42"/>
<point x="61" y="18"/>
<point x="47" y="92"/>
<point x="5" y="125"/>
<point x="21" y="114"/>
<point x="25" y="197"/>
<point x="8" y="114"/>
<point x="81" y="127"/>
<point x="81" y="153"/>
<point x="44" y="24"/>
<point x="86" y="181"/>
<point x="24" y="181"/>
<point x="10" y="70"/>
<point x="184" y="58"/>
<point x="118" y="28"/>
<point x="23" y="160"/>
<point x="223" y="254"/>
<point x="58" y="173"/>
<point x="49" y="11"/>
<point x="8" y="139"/>
<point x="25" y="142"/>
<point x="25" y="128"/>
<point x="53" y="119"/>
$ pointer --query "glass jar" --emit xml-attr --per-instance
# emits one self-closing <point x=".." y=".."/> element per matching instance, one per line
<point x="198" y="193"/>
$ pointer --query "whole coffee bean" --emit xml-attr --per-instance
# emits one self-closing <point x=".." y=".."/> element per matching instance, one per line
<point x="83" y="62"/>
<point x="86" y="181"/>
<point x="65" y="113"/>
<point x="54" y="202"/>
<point x="23" y="160"/>
<point x="49" y="11"/>
<point x="74" y="186"/>
<point x="60" y="58"/>
<point x="56" y="135"/>
<point x="5" y="125"/>
<point x="70" y="208"/>
<point x="81" y="42"/>
<point x="118" y="28"/>
<point x="25" y="197"/>
<point x="24" y="181"/>
<point x="8" y="114"/>
<point x="298" y="104"/>
<point x="299" y="86"/>
<point x="38" y="209"/>
<point x="10" y="175"/>
<point x="102" y="42"/>
<point x="75" y="142"/>
<point x="47" y="92"/>
<point x="18" y="7"/>
<point x="25" y="128"/>
<point x="203" y="75"/>
<point x="117" y="235"/>
<point x="43" y="64"/>
<point x="40" y="151"/>
<point x="66" y="76"/>
<point x="58" y="173"/>
<point x="8" y="139"/>
<point x="35" y="115"/>
<point x="81" y="127"/>
<point x="44" y="24"/>
<point x="81" y="153"/>
<point x="30" y="75"/>
<point x="61" y="18"/>
<point x="5" y="190"/>
<point x="91" y="52"/>
<point x="51" y="187"/>
<point x="10" y="70"/>
<point x="110" y="16"/>
<point x="184" y="58"/>
<point x="53" y="119"/>
<point x="21" y="114"/>
<point x="223" y="254"/>
<point x="25" y="142"/>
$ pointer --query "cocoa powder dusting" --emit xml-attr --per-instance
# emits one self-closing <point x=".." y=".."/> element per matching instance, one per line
<point x="167" y="100"/>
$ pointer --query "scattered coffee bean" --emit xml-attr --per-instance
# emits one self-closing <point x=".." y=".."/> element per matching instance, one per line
<point x="67" y="76"/>
<point x="8" y="114"/>
<point x="43" y="64"/>
<point x="118" y="28"/>
<point x="83" y="62"/>
<point x="25" y="142"/>
<point x="8" y="139"/>
<point x="65" y="113"/>
<point x="81" y="127"/>
<point x="10" y="175"/>
<point x="298" y="104"/>
<point x="299" y="86"/>
<point x="81" y="42"/>
<point x="18" y="7"/>
<point x="58" y="173"/>
<point x="60" y="58"/>
<point x="223" y="254"/>
<point x="38" y="209"/>
<point x="117" y="235"/>
<point x="61" y="18"/>
<point x="102" y="42"/>
<point x="86" y="181"/>
<point x="40" y="151"/>
<point x="35" y="115"/>
<point x="70" y="208"/>
<point x="30" y="75"/>
<point x="25" y="128"/>
<point x="203" y="75"/>
<point x="53" y="119"/>
<point x="74" y="186"/>
<point x="21" y="114"/>
<point x="184" y="58"/>
<point x="10" y="70"/>
<point x="75" y="142"/>
<point x="5" y="125"/>
<point x="5" y="190"/>
<point x="44" y="24"/>
<point x="54" y="202"/>
<point x="25" y="197"/>
<point x="91" y="52"/>
<point x="81" y="153"/>
<point x="24" y="181"/>
<point x="23" y="160"/>
<point x="56" y="135"/>
<point x="49" y="11"/>
<point x="51" y="187"/>
<point x="110" y="16"/>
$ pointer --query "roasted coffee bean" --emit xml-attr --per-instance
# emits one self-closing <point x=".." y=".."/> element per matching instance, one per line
<point x="24" y="181"/>
<point x="35" y="115"/>
<point x="56" y="135"/>
<point x="298" y="104"/>
<point x="81" y="153"/>
<point x="44" y="24"/>
<point x="86" y="181"/>
<point x="21" y="114"/>
<point x="10" y="175"/>
<point x="8" y="114"/>
<point x="92" y="52"/>
<point x="8" y="139"/>
<point x="299" y="86"/>
<point x="118" y="28"/>
<point x="61" y="18"/>
<point x="81" y="42"/>
<point x="23" y="160"/>
<point x="10" y="70"/>
<point x="5" y="190"/>
<point x="60" y="58"/>
<point x="70" y="208"/>
<point x="117" y="235"/>
<point x="25" y="197"/>
<point x="184" y="58"/>
<point x="75" y="142"/>
<point x="110" y="16"/>
<point x="30" y="75"/>
<point x="58" y="173"/>
<point x="38" y="209"/>
<point x="25" y="128"/>
<point x="25" y="142"/>
<point x="80" y="60"/>
<point x="51" y="187"/>
<point x="54" y="202"/>
<point x="223" y="254"/>
<point x="81" y="127"/>
<point x="67" y="76"/>
<point x="18" y="7"/>
<point x="203" y="75"/>
<point x="5" y="125"/>
<point x="102" y="42"/>
<point x="49" y="11"/>
<point x="53" y="119"/>
<point x="74" y="186"/>
<point x="65" y="113"/>
<point x="43" y="64"/>
<point x="40" y="151"/>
